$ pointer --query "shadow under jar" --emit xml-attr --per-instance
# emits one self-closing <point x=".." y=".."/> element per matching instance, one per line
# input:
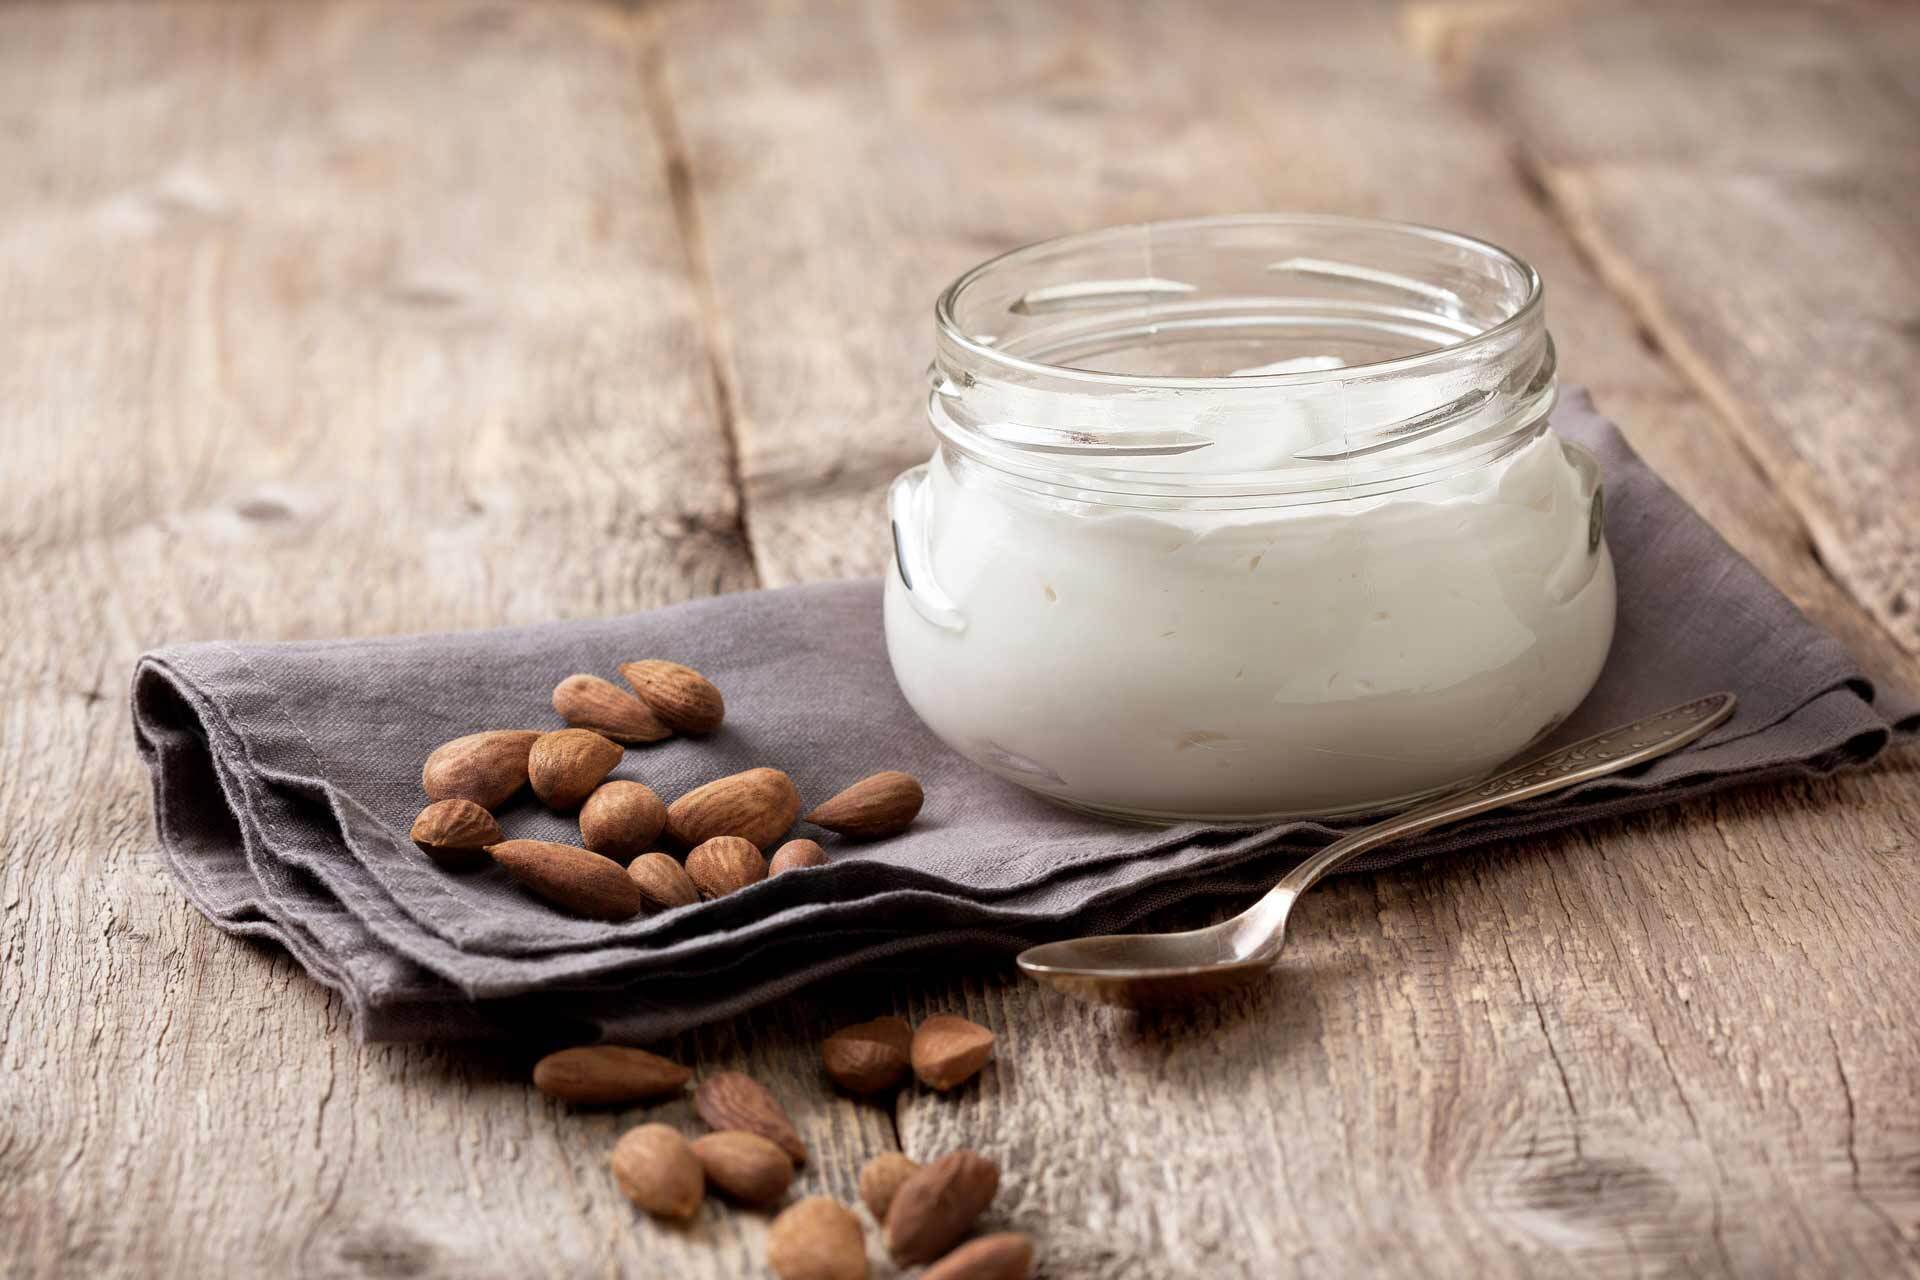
<point x="1245" y="518"/>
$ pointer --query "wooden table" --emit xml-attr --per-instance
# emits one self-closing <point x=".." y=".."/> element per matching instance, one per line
<point x="337" y="318"/>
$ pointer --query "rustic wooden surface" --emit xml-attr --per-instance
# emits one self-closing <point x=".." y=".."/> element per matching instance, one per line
<point x="343" y="318"/>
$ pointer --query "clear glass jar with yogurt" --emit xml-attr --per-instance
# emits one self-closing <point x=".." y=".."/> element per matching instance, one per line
<point x="1244" y="518"/>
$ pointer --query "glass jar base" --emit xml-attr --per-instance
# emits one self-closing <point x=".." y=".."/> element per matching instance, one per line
<point x="1369" y="809"/>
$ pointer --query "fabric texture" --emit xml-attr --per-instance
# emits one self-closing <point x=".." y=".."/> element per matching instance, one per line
<point x="286" y="777"/>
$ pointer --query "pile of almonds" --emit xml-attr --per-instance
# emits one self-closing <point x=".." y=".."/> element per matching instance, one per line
<point x="750" y="1155"/>
<point x="615" y="873"/>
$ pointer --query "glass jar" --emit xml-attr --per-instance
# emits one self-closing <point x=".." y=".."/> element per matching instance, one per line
<point x="1243" y="518"/>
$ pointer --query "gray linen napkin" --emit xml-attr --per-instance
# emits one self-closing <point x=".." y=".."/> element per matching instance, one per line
<point x="286" y="777"/>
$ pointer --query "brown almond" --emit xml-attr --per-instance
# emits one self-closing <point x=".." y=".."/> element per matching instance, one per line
<point x="1006" y="1256"/>
<point x="485" y="768"/>
<point x="571" y="878"/>
<point x="934" y="1208"/>
<point x="948" y="1051"/>
<point x="881" y="1179"/>
<point x="732" y="1100"/>
<point x="656" y="1168"/>
<point x="745" y="1166"/>
<point x="679" y="695"/>
<point x="455" y="833"/>
<point x="567" y="764"/>
<point x="795" y="854"/>
<point x="588" y="702"/>
<point x="621" y="818"/>
<point x="664" y="883"/>
<point x="723" y="864"/>
<point x="869" y="1056"/>
<point x="603" y="1073"/>
<point x="817" y="1239"/>
<point x="884" y="804"/>
<point x="758" y="805"/>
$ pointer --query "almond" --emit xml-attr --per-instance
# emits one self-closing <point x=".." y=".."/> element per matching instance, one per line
<point x="884" y="804"/>
<point x="1006" y="1256"/>
<point x="571" y="878"/>
<point x="745" y="1166"/>
<point x="758" y="805"/>
<point x="933" y="1209"/>
<point x="485" y="768"/>
<point x="948" y="1051"/>
<point x="602" y="1073"/>
<point x="869" y="1056"/>
<point x="817" y="1239"/>
<point x="620" y="819"/>
<point x="795" y="854"/>
<point x="732" y="1100"/>
<point x="679" y="695"/>
<point x="881" y="1179"/>
<point x="656" y="1168"/>
<point x="455" y="833"/>
<point x="588" y="702"/>
<point x="664" y="883"/>
<point x="724" y="864"/>
<point x="567" y="764"/>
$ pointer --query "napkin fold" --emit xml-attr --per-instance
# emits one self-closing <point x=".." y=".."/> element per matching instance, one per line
<point x="286" y="777"/>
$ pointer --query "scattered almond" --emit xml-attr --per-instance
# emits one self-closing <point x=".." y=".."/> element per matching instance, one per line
<point x="603" y="1073"/>
<point x="567" y="764"/>
<point x="656" y="1168"/>
<point x="948" y="1051"/>
<point x="881" y="1178"/>
<point x="455" y="833"/>
<point x="664" y="883"/>
<point x="869" y="1056"/>
<point x="620" y="819"/>
<point x="797" y="853"/>
<point x="882" y="805"/>
<point x="933" y="1209"/>
<point x="588" y="702"/>
<point x="732" y="1100"/>
<point x="572" y="878"/>
<point x="817" y="1239"/>
<point x="758" y="805"/>
<point x="724" y="864"/>
<point x="679" y="695"/>
<point x="485" y="768"/>
<point x="745" y="1166"/>
<point x="1006" y="1256"/>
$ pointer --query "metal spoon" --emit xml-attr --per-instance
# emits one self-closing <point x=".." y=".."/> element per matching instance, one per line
<point x="1165" y="968"/>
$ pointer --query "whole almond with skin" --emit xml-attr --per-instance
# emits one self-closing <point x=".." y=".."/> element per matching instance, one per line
<point x="656" y="1168"/>
<point x="723" y="864"/>
<point x="566" y="765"/>
<point x="621" y="818"/>
<point x="732" y="1100"/>
<point x="948" y="1051"/>
<point x="745" y="1166"/>
<point x="758" y="805"/>
<point x="869" y="1056"/>
<point x="795" y="854"/>
<point x="679" y="695"/>
<point x="817" y="1239"/>
<point x="881" y="1179"/>
<point x="604" y="1073"/>
<point x="485" y="768"/>
<point x="884" y="804"/>
<point x="455" y="833"/>
<point x="664" y="883"/>
<point x="572" y="878"/>
<point x="1006" y="1256"/>
<point x="933" y="1209"/>
<point x="588" y="702"/>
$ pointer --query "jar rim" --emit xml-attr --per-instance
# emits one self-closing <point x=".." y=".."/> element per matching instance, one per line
<point x="991" y="355"/>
